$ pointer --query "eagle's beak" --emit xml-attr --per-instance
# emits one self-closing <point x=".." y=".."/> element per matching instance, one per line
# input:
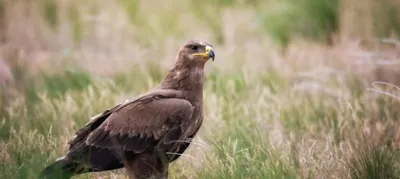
<point x="210" y="52"/>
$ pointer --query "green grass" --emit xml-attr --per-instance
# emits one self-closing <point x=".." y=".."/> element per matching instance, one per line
<point x="374" y="162"/>
<point x="50" y="13"/>
<point x="311" y="19"/>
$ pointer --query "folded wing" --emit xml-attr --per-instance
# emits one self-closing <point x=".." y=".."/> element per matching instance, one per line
<point x="143" y="125"/>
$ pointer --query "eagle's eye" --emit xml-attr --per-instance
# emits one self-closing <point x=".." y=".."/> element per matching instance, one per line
<point x="194" y="47"/>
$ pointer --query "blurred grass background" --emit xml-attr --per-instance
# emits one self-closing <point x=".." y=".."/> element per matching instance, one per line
<point x="299" y="89"/>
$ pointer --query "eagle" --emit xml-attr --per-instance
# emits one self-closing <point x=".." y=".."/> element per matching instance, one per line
<point x="144" y="134"/>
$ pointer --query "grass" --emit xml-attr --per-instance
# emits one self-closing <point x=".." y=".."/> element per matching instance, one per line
<point x="267" y="114"/>
<point x="50" y="12"/>
<point x="375" y="162"/>
<point x="237" y="130"/>
<point x="311" y="19"/>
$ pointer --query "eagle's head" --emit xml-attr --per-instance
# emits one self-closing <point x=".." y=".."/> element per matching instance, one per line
<point x="195" y="51"/>
<point x="187" y="73"/>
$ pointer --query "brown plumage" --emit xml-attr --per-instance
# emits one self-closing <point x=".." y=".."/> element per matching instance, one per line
<point x="144" y="134"/>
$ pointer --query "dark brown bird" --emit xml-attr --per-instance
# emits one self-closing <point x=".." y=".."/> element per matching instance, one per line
<point x="147" y="133"/>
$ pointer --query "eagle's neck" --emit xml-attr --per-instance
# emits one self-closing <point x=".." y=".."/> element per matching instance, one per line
<point x="189" y="78"/>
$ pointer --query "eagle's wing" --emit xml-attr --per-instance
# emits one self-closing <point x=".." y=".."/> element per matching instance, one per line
<point x="79" y="140"/>
<point x="82" y="134"/>
<point x="154" y="121"/>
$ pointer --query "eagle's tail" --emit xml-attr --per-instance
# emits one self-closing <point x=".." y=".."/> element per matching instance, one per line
<point x="63" y="169"/>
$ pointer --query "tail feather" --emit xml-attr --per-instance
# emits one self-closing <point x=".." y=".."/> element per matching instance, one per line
<point x="62" y="169"/>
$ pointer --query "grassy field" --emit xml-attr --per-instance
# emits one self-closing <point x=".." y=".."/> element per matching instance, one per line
<point x="276" y="106"/>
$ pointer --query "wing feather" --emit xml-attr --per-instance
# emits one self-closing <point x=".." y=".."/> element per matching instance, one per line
<point x="143" y="125"/>
<point x="79" y="140"/>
